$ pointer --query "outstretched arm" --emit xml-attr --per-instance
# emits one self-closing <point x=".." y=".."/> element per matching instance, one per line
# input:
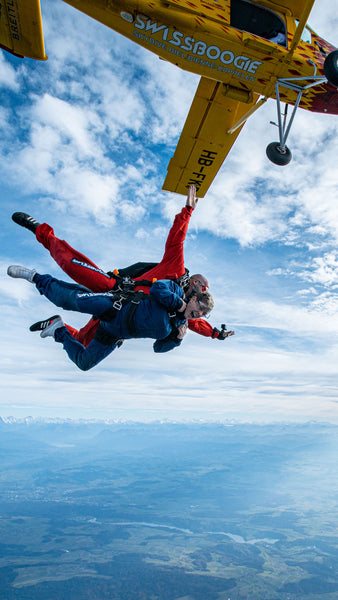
<point x="222" y="334"/>
<point x="202" y="327"/>
<point x="174" y="245"/>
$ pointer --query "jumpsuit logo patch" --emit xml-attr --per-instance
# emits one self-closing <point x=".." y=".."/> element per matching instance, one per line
<point x="80" y="263"/>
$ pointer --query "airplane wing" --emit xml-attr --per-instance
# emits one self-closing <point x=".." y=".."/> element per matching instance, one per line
<point x="205" y="139"/>
<point x="21" y="28"/>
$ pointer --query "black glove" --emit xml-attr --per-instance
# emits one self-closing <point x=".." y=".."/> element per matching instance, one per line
<point x="222" y="334"/>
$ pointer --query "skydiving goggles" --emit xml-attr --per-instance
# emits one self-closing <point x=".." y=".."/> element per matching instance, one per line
<point x="204" y="288"/>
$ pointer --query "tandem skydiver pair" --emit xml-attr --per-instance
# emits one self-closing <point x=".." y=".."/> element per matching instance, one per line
<point x="166" y="297"/>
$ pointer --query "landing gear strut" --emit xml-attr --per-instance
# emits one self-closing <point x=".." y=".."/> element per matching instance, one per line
<point x="278" y="152"/>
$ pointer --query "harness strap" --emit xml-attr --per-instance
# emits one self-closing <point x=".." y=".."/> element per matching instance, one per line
<point x="120" y="300"/>
<point x="102" y="336"/>
<point x="138" y="296"/>
<point x="125" y="282"/>
<point x="182" y="281"/>
<point x="135" y="270"/>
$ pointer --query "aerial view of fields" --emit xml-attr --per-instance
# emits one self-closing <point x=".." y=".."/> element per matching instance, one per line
<point x="165" y="511"/>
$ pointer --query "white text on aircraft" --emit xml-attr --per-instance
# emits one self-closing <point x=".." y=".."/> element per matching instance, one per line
<point x="196" y="47"/>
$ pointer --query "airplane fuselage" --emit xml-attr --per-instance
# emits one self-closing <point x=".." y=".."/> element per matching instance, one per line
<point x="206" y="44"/>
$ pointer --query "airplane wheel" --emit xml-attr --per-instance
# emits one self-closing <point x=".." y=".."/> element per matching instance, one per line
<point x="276" y="156"/>
<point x="331" y="67"/>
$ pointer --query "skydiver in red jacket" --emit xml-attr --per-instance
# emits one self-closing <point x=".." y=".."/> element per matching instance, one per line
<point x="82" y="270"/>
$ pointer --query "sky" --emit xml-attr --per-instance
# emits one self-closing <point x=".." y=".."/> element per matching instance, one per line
<point x="85" y="139"/>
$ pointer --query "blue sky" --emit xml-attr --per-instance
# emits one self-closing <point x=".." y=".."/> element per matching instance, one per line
<point x="85" y="140"/>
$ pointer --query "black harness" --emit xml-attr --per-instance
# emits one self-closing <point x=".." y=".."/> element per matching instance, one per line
<point x="125" y="277"/>
<point x="119" y="300"/>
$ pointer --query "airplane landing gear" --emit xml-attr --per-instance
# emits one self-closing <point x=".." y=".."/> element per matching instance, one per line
<point x="331" y="67"/>
<point x="278" y="152"/>
<point x="278" y="156"/>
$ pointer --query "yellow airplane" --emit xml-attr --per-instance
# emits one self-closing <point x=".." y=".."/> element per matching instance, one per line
<point x="245" y="52"/>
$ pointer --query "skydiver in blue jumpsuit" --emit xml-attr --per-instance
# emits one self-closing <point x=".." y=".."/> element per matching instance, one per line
<point x="161" y="315"/>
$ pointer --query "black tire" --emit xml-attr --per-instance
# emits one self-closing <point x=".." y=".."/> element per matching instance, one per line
<point x="276" y="156"/>
<point x="331" y="67"/>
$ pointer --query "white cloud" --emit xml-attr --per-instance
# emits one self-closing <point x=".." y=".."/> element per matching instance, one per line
<point x="319" y="316"/>
<point x="319" y="270"/>
<point x="72" y="122"/>
<point x="324" y="270"/>
<point x="89" y="192"/>
<point x="8" y="75"/>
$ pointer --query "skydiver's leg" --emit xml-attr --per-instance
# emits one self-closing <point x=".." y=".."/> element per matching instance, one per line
<point x="76" y="265"/>
<point x="84" y="358"/>
<point x="73" y="332"/>
<point x="86" y="334"/>
<point x="80" y="268"/>
<point x="71" y="296"/>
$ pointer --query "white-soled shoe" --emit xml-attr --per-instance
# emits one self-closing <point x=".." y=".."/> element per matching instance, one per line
<point x="48" y="326"/>
<point x="19" y="272"/>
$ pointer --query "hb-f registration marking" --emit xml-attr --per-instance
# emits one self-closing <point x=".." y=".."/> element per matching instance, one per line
<point x="205" y="160"/>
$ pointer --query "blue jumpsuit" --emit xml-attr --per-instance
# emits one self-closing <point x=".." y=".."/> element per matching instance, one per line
<point x="150" y="320"/>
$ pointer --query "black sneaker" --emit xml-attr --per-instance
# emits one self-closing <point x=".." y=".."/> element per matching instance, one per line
<point x="41" y="325"/>
<point x="21" y="218"/>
